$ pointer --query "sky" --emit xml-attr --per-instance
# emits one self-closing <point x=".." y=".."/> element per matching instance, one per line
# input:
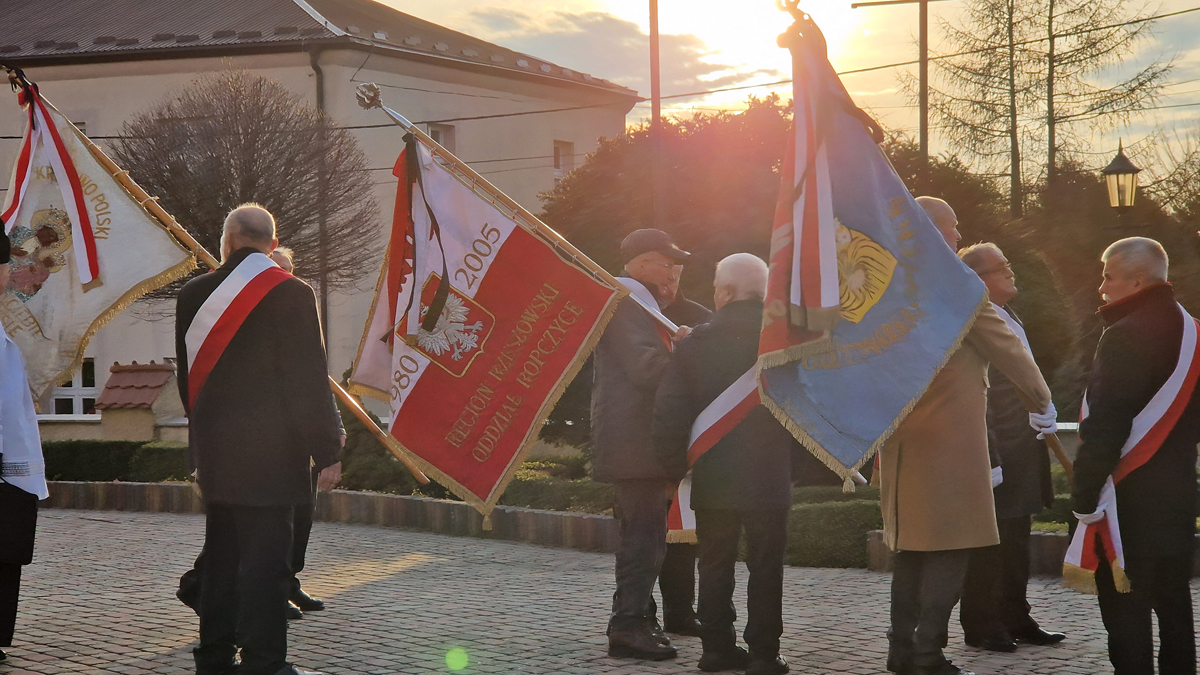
<point x="708" y="44"/>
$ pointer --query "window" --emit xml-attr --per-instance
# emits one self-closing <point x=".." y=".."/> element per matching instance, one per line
<point x="443" y="135"/>
<point x="78" y="396"/>
<point x="564" y="159"/>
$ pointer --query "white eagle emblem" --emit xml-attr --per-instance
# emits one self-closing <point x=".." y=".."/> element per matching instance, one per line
<point x="451" y="333"/>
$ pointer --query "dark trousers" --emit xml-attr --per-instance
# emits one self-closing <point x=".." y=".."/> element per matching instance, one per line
<point x="925" y="587"/>
<point x="244" y="588"/>
<point x="993" y="599"/>
<point x="302" y="522"/>
<point x="10" y="588"/>
<point x="677" y="583"/>
<point x="1160" y="585"/>
<point x="720" y="532"/>
<point x="641" y="509"/>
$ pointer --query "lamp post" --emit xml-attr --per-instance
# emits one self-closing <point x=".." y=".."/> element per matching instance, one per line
<point x="1120" y="176"/>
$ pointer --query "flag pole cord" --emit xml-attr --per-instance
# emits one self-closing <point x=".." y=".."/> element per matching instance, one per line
<point x="184" y="237"/>
<point x="368" y="95"/>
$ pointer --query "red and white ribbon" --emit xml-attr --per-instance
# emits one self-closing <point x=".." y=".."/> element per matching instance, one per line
<point x="223" y="313"/>
<point x="1149" y="430"/>
<point x="42" y="128"/>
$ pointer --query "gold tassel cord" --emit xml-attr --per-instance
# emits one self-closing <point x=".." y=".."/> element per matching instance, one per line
<point x="1079" y="579"/>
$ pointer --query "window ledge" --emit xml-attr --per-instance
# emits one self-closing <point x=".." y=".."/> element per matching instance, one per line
<point x="92" y="419"/>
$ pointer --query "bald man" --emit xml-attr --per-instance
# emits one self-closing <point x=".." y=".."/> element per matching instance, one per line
<point x="743" y="484"/>
<point x="944" y="219"/>
<point x="260" y="415"/>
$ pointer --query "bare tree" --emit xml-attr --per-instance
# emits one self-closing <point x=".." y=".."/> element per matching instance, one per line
<point x="235" y="137"/>
<point x="1027" y="75"/>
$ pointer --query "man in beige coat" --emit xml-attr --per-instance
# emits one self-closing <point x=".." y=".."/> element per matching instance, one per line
<point x="935" y="480"/>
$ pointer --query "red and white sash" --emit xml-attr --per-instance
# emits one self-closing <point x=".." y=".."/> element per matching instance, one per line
<point x="223" y="313"/>
<point x="41" y="128"/>
<point x="720" y="417"/>
<point x="1149" y="430"/>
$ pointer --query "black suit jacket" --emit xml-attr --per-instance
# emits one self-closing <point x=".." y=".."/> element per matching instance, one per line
<point x="1027" y="487"/>
<point x="751" y="467"/>
<point x="265" y="414"/>
<point x="1137" y="353"/>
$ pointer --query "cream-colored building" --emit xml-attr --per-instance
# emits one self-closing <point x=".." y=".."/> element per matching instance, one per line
<point x="103" y="63"/>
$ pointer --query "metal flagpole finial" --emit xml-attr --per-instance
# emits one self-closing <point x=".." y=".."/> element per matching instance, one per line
<point x="368" y="95"/>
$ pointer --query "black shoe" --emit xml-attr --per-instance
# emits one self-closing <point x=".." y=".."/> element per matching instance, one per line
<point x="658" y="633"/>
<point x="775" y="666"/>
<point x="730" y="659"/>
<point x="900" y="666"/>
<point x="304" y="601"/>
<point x="689" y="626"/>
<point x="232" y="669"/>
<point x="3" y="656"/>
<point x="1000" y="642"/>
<point x="1037" y="636"/>
<point x="293" y="612"/>
<point x="190" y="597"/>
<point x="944" y="668"/>
<point x="640" y="644"/>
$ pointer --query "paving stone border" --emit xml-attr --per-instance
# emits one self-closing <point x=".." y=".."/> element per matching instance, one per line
<point x="579" y="531"/>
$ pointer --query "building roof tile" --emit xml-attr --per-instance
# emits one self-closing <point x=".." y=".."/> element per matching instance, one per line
<point x="135" y="385"/>
<point x="51" y="31"/>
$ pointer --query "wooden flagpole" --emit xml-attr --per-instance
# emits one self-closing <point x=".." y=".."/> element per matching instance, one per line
<point x="184" y="237"/>
<point x="1056" y="447"/>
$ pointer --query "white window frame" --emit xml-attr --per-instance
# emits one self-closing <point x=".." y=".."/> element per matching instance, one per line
<point x="76" y="392"/>
<point x="564" y="159"/>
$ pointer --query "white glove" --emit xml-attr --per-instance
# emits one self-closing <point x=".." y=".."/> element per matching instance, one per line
<point x="1089" y="518"/>
<point x="1044" y="423"/>
<point x="997" y="476"/>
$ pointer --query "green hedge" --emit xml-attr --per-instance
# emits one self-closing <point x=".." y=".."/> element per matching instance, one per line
<point x="104" y="461"/>
<point x="831" y="534"/>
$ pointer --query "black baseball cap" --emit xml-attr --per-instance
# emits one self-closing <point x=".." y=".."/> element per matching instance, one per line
<point x="5" y="246"/>
<point x="644" y="241"/>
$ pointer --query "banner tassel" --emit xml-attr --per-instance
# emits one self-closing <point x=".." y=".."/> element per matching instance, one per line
<point x="487" y="523"/>
<point x="848" y="485"/>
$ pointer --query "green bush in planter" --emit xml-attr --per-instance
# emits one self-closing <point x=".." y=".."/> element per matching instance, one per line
<point x="831" y="534"/>
<point x="158" y="462"/>
<point x="89" y="460"/>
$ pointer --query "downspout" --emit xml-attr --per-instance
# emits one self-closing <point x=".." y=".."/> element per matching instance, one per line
<point x="314" y="60"/>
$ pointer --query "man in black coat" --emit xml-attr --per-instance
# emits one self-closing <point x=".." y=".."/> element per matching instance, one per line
<point x="628" y="363"/>
<point x="1156" y="502"/>
<point x="994" y="612"/>
<point x="677" y="579"/>
<point x="742" y="483"/>
<point x="261" y="420"/>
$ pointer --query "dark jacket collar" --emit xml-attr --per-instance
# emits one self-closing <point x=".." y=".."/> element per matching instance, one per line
<point x="1151" y="295"/>
<point x="237" y="257"/>
<point x="740" y="312"/>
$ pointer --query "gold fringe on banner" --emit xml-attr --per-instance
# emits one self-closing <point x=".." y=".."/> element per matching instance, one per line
<point x="1078" y="579"/>
<point x="681" y="537"/>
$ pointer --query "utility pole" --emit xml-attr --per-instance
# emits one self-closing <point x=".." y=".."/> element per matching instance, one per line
<point x="923" y="70"/>
<point x="657" y="198"/>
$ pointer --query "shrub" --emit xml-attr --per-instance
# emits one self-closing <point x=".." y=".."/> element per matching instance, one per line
<point x="158" y="462"/>
<point x="831" y="534"/>
<point x="828" y="493"/>
<point x="533" y="487"/>
<point x="89" y="460"/>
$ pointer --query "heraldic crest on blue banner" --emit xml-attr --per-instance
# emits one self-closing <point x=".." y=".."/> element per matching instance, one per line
<point x="865" y="302"/>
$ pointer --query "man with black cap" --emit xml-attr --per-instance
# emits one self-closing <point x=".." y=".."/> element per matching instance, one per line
<point x="23" y="473"/>
<point x="630" y="359"/>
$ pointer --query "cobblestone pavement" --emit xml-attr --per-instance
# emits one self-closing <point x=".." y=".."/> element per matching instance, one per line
<point x="99" y="599"/>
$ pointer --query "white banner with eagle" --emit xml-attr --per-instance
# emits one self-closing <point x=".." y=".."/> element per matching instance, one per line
<point x="60" y="199"/>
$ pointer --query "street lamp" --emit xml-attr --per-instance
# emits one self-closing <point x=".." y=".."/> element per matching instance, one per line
<point x="1121" y="178"/>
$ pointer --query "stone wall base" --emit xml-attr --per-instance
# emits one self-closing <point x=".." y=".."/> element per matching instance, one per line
<point x="579" y="531"/>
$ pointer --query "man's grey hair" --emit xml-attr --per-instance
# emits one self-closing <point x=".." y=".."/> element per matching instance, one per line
<point x="745" y="274"/>
<point x="974" y="255"/>
<point x="1138" y="255"/>
<point x="250" y="223"/>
